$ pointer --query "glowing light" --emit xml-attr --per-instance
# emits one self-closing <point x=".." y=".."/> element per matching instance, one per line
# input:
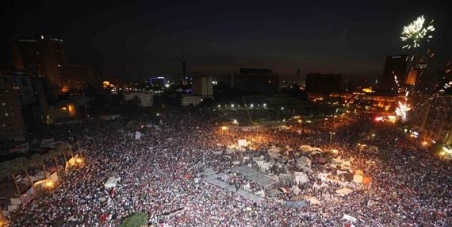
<point x="402" y="110"/>
<point x="49" y="184"/>
<point x="416" y="32"/>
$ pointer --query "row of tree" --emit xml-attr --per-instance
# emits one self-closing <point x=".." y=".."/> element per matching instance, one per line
<point x="23" y="164"/>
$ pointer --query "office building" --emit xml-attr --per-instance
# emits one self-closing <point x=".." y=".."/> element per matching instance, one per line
<point x="203" y="86"/>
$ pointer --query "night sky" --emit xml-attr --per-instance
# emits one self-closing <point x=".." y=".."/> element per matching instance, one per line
<point x="138" y="39"/>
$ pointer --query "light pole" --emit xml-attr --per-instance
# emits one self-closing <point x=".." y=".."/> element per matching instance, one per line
<point x="331" y="139"/>
<point x="299" y="122"/>
<point x="223" y="128"/>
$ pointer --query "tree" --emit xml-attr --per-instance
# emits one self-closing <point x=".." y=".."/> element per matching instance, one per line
<point x="9" y="169"/>
<point x="38" y="160"/>
<point x="135" y="220"/>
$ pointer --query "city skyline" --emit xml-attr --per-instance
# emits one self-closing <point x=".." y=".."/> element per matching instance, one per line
<point x="141" y="39"/>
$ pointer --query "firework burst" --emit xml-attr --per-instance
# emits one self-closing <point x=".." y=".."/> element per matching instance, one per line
<point x="416" y="32"/>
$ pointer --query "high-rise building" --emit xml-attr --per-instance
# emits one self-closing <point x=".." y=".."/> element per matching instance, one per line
<point x="11" y="121"/>
<point x="74" y="78"/>
<point x="255" y="81"/>
<point x="395" y="73"/>
<point x="317" y="83"/>
<point x="25" y="88"/>
<point x="203" y="86"/>
<point x="41" y="58"/>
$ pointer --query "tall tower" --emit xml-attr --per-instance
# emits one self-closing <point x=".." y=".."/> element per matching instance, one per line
<point x="395" y="67"/>
<point x="184" y="70"/>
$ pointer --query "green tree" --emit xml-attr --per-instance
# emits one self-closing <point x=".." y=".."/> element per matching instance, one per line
<point x="135" y="220"/>
<point x="10" y="169"/>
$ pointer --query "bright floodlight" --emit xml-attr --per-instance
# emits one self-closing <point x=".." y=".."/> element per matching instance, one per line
<point x="416" y="32"/>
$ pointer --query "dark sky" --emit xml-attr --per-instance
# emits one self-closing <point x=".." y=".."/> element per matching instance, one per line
<point x="138" y="39"/>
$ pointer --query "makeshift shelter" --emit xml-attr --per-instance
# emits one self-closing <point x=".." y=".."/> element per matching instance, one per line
<point x="111" y="182"/>
<point x="301" y="178"/>
<point x="312" y="200"/>
<point x="305" y="148"/>
<point x="358" y="178"/>
<point x="347" y="177"/>
<point x="344" y="191"/>
<point x="296" y="190"/>
<point x="305" y="161"/>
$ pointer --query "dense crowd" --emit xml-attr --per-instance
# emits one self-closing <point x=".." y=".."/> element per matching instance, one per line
<point x="409" y="187"/>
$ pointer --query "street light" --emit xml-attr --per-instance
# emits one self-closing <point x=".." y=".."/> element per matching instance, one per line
<point x="331" y="139"/>
<point x="223" y="128"/>
<point x="299" y="122"/>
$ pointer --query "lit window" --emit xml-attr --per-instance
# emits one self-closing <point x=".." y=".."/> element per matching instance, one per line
<point x="6" y="114"/>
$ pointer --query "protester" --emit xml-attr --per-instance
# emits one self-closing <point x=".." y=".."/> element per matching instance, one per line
<point x="157" y="175"/>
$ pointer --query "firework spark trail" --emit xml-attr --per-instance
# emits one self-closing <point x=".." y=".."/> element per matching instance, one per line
<point x="416" y="32"/>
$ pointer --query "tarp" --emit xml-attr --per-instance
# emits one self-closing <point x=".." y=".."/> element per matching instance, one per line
<point x="260" y="193"/>
<point x="344" y="191"/>
<point x="358" y="178"/>
<point x="15" y="201"/>
<point x="304" y="161"/>
<point x="112" y="182"/>
<point x="296" y="190"/>
<point x="138" y="135"/>
<point x="294" y="204"/>
<point x="349" y="218"/>
<point x="54" y="177"/>
<point x="301" y="178"/>
<point x="47" y="142"/>
<point x="313" y="200"/>
<point x="305" y="148"/>
<point x="243" y="143"/>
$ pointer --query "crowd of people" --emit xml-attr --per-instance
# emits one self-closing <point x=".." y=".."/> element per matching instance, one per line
<point x="410" y="187"/>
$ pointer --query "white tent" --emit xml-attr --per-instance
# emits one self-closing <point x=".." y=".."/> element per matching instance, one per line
<point x="301" y="178"/>
<point x="112" y="182"/>
<point x="296" y="190"/>
<point x="313" y="200"/>
<point x="273" y="154"/>
<point x="305" y="148"/>
<point x="243" y="143"/>
<point x="304" y="161"/>
<point x="274" y="149"/>
<point x="358" y="178"/>
<point x="344" y="191"/>
<point x="318" y="186"/>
